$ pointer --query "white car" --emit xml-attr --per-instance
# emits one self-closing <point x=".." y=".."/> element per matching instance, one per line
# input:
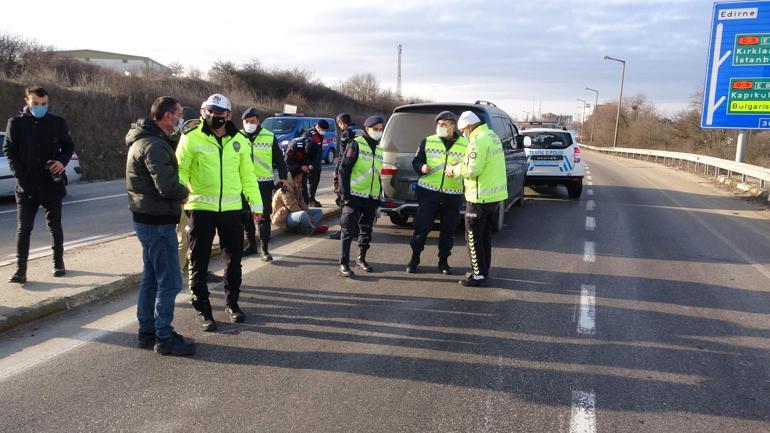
<point x="8" y="182"/>
<point x="553" y="158"/>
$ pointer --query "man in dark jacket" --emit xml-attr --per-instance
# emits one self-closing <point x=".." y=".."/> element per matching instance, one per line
<point x="315" y="143"/>
<point x="38" y="147"/>
<point x="267" y="156"/>
<point x="346" y="135"/>
<point x="155" y="197"/>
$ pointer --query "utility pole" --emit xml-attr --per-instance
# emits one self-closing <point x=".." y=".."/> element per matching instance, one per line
<point x="620" y="98"/>
<point x="398" y="82"/>
<point x="593" y="114"/>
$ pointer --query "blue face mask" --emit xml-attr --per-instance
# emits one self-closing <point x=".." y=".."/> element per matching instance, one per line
<point x="38" y="110"/>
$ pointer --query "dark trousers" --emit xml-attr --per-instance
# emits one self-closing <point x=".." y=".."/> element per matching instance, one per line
<point x="266" y="192"/>
<point x="203" y="225"/>
<point x="310" y="183"/>
<point x="26" y="210"/>
<point x="427" y="210"/>
<point x="479" y="220"/>
<point x="356" y="221"/>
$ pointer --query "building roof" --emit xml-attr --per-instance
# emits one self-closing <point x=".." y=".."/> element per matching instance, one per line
<point x="96" y="54"/>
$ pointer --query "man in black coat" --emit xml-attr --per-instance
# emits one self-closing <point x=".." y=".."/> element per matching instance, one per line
<point x="315" y="143"/>
<point x="38" y="146"/>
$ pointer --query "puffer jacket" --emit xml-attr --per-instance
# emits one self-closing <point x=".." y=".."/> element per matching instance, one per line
<point x="152" y="175"/>
<point x="286" y="201"/>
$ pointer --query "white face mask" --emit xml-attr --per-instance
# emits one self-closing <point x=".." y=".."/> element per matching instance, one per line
<point x="250" y="127"/>
<point x="376" y="135"/>
<point x="179" y="125"/>
<point x="442" y="131"/>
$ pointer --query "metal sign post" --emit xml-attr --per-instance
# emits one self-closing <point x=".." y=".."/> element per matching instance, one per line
<point x="737" y="88"/>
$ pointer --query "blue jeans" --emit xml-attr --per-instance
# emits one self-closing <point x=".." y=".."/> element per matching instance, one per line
<point x="303" y="222"/>
<point x="161" y="278"/>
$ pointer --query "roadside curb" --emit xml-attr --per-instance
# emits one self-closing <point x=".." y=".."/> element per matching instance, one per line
<point x="98" y="292"/>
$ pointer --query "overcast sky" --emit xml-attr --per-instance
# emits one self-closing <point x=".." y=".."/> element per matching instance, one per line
<point x="513" y="53"/>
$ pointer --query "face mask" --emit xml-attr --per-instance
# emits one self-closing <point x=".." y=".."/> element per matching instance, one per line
<point x="178" y="126"/>
<point x="216" y="122"/>
<point x="38" y="110"/>
<point x="322" y="132"/>
<point x="442" y="131"/>
<point x="376" y="135"/>
<point x="250" y="127"/>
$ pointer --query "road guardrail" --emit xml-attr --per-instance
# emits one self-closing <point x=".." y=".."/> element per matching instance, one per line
<point x="708" y="165"/>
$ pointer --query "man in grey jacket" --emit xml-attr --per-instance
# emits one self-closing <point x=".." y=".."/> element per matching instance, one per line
<point x="155" y="197"/>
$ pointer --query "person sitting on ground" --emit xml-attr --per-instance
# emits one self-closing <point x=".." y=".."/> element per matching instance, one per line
<point x="290" y="210"/>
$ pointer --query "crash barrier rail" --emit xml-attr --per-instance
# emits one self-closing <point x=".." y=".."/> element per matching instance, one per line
<point x="708" y="165"/>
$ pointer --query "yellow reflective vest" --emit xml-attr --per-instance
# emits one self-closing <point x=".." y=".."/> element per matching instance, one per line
<point x="437" y="158"/>
<point x="483" y="170"/>
<point x="215" y="174"/>
<point x="365" y="177"/>
<point x="262" y="155"/>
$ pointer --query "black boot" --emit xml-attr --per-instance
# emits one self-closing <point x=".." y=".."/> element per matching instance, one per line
<point x="58" y="267"/>
<point x="251" y="248"/>
<point x="20" y="276"/>
<point x="443" y="266"/>
<point x="346" y="272"/>
<point x="235" y="313"/>
<point x="263" y="253"/>
<point x="411" y="268"/>
<point x="361" y="262"/>
<point x="336" y="236"/>
<point x="205" y="317"/>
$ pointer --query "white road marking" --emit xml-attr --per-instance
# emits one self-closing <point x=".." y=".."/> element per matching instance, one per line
<point x="589" y="252"/>
<point x="77" y="201"/>
<point x="590" y="178"/>
<point x="590" y="183"/>
<point x="583" y="417"/>
<point x="590" y="205"/>
<point x="590" y="224"/>
<point x="587" y="317"/>
<point x="590" y="192"/>
<point x="66" y="244"/>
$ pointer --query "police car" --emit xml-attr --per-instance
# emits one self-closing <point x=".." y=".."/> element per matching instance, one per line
<point x="553" y="158"/>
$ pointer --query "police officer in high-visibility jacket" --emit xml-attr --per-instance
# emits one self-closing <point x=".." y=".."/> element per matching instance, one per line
<point x="360" y="191"/>
<point x="486" y="187"/>
<point x="267" y="156"/>
<point x="438" y="194"/>
<point x="215" y="164"/>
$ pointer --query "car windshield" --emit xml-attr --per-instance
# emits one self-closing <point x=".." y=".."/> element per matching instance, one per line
<point x="406" y="131"/>
<point x="279" y="125"/>
<point x="549" y="139"/>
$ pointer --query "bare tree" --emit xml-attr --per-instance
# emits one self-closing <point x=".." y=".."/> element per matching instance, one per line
<point x="362" y="87"/>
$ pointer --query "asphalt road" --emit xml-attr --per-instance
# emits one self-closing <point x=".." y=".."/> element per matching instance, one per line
<point x="92" y="212"/>
<point x="653" y="316"/>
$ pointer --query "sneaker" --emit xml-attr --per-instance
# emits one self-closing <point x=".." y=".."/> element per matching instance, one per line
<point x="319" y="230"/>
<point x="235" y="313"/>
<point x="145" y="340"/>
<point x="314" y="203"/>
<point x="207" y="324"/>
<point x="174" y="345"/>
<point x="414" y="262"/>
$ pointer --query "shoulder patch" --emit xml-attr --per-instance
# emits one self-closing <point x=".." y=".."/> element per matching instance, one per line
<point x="190" y="125"/>
<point x="237" y="146"/>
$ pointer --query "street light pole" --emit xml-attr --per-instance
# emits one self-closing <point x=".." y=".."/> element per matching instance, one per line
<point x="620" y="98"/>
<point x="593" y="116"/>
<point x="582" y="120"/>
